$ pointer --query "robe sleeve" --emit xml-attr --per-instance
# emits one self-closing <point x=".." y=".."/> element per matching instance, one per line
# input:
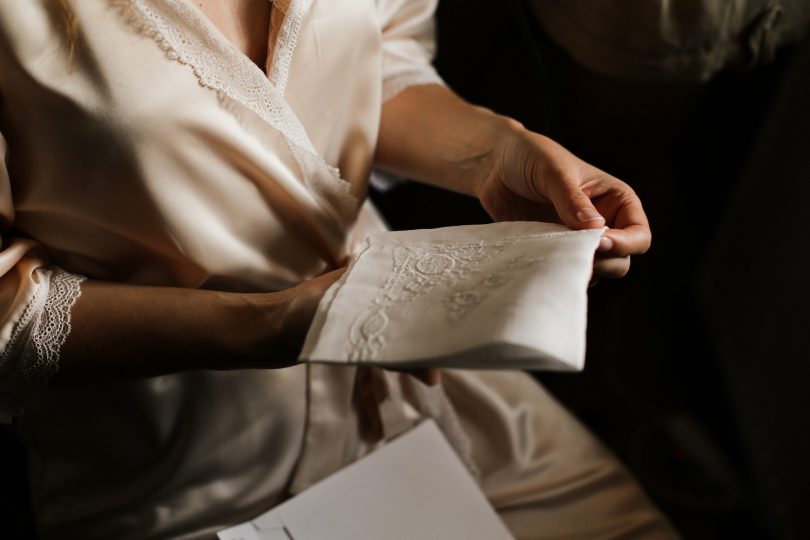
<point x="409" y="43"/>
<point x="35" y="302"/>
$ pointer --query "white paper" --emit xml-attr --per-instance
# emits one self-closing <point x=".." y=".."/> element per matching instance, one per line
<point x="414" y="487"/>
<point x="505" y="295"/>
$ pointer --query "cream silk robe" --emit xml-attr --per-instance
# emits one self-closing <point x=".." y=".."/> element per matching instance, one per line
<point x="153" y="152"/>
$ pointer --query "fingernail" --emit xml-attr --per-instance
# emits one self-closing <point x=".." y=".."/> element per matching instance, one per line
<point x="605" y="244"/>
<point x="589" y="214"/>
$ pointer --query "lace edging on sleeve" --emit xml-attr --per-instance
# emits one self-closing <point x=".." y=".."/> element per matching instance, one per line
<point x="32" y="354"/>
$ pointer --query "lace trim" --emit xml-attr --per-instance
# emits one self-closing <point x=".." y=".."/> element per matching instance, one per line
<point x="222" y="68"/>
<point x="42" y="329"/>
<point x="396" y="84"/>
<point x="418" y="269"/>
<point x="286" y="42"/>
<point x="51" y="329"/>
<point x="15" y="348"/>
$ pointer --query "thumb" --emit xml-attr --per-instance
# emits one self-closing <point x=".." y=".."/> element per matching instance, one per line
<point x="573" y="206"/>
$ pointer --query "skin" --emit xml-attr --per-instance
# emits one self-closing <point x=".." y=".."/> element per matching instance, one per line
<point x="427" y="133"/>
<point x="430" y="134"/>
<point x="244" y="23"/>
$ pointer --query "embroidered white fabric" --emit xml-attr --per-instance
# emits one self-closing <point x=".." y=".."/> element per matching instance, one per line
<point x="184" y="37"/>
<point x="31" y="356"/>
<point x="504" y="295"/>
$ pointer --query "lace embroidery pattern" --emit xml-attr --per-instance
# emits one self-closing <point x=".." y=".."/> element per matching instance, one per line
<point x="223" y="69"/>
<point x="459" y="303"/>
<point x="51" y="329"/>
<point x="42" y="329"/>
<point x="286" y="42"/>
<point x="22" y="329"/>
<point x="417" y="270"/>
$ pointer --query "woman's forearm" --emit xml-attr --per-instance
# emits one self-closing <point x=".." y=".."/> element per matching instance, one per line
<point x="122" y="331"/>
<point x="429" y="134"/>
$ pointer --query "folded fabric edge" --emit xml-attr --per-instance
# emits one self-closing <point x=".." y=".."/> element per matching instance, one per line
<point x="325" y="305"/>
<point x="483" y="357"/>
<point x="461" y="233"/>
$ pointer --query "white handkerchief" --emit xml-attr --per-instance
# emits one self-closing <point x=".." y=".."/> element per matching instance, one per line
<point x="506" y="295"/>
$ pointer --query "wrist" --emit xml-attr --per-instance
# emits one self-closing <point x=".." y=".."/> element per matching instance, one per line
<point x="503" y="138"/>
<point x="256" y="330"/>
<point x="269" y="328"/>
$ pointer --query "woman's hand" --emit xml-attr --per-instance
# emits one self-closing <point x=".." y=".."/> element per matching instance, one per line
<point x="300" y="305"/>
<point x="534" y="178"/>
<point x="430" y="134"/>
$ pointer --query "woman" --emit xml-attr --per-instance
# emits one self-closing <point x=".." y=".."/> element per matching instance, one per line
<point x="178" y="183"/>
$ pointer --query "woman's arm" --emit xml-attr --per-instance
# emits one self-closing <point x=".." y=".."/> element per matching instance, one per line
<point x="125" y="331"/>
<point x="430" y="134"/>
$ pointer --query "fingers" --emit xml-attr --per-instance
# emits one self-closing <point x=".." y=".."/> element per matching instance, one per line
<point x="617" y="245"/>
<point x="429" y="376"/>
<point x="615" y="248"/>
<point x="573" y="206"/>
<point x="621" y="210"/>
<point x="549" y="172"/>
<point x="327" y="279"/>
<point x="631" y="240"/>
<point x="611" y="267"/>
<point x="630" y="230"/>
<point x="300" y="304"/>
<point x="584" y="197"/>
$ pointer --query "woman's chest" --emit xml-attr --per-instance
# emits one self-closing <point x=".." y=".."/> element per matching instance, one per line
<point x="250" y="25"/>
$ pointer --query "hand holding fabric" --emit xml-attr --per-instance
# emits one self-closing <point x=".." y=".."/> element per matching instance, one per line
<point x="534" y="178"/>
<point x="430" y="134"/>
